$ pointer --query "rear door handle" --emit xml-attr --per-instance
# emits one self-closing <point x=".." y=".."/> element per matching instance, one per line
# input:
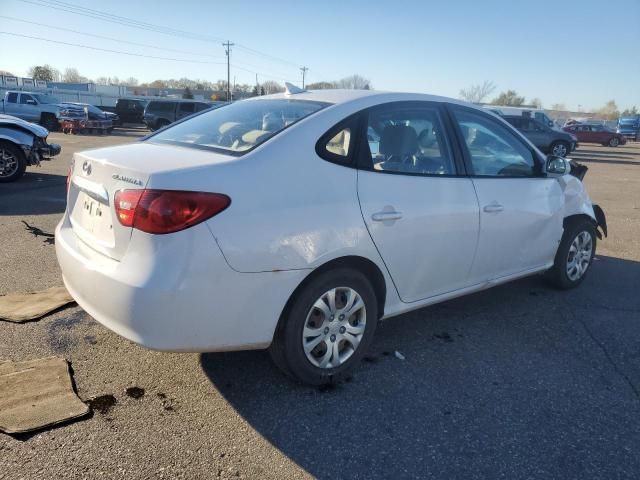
<point x="386" y="216"/>
<point x="493" y="208"/>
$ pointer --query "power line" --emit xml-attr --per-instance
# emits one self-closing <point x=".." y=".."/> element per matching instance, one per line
<point x="97" y="14"/>
<point x="111" y="51"/>
<point x="104" y="38"/>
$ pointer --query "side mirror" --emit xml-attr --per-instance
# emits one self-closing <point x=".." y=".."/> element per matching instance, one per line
<point x="557" y="165"/>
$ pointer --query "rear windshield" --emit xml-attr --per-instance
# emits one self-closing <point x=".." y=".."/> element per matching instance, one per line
<point x="238" y="127"/>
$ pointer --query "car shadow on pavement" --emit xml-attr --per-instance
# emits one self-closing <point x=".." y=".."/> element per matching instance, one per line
<point x="518" y="381"/>
<point x="34" y="194"/>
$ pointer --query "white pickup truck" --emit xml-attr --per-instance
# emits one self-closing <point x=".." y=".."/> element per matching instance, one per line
<point x="35" y="107"/>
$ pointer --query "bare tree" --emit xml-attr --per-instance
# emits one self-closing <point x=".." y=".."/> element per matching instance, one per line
<point x="609" y="111"/>
<point x="536" y="102"/>
<point x="71" y="75"/>
<point x="354" y="82"/>
<point x="271" y="86"/>
<point x="560" y="107"/>
<point x="131" y="82"/>
<point x="321" y="85"/>
<point x="477" y="93"/>
<point x="6" y="74"/>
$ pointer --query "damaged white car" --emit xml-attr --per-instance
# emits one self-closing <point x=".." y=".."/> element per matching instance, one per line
<point x="297" y="221"/>
<point x="22" y="144"/>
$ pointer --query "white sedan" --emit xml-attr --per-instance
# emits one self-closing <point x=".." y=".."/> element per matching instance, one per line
<point x="297" y="221"/>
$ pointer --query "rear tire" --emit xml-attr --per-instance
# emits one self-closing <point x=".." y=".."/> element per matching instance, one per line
<point x="316" y="343"/>
<point x="560" y="148"/>
<point x="12" y="162"/>
<point x="614" y="142"/>
<point x="575" y="254"/>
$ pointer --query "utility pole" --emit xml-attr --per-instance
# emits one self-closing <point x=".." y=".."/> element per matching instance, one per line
<point x="228" y="46"/>
<point x="303" y="70"/>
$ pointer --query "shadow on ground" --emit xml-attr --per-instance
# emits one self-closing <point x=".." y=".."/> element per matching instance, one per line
<point x="518" y="381"/>
<point x="34" y="194"/>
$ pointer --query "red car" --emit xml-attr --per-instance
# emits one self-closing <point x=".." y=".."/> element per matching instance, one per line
<point x="593" y="133"/>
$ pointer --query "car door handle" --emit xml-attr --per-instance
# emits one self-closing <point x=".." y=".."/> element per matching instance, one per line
<point x="493" y="208"/>
<point x="386" y="216"/>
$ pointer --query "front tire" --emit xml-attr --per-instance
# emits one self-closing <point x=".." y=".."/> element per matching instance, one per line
<point x="559" y="148"/>
<point x="12" y="162"/>
<point x="575" y="254"/>
<point x="327" y="328"/>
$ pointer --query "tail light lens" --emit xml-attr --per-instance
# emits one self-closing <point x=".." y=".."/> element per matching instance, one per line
<point x="167" y="211"/>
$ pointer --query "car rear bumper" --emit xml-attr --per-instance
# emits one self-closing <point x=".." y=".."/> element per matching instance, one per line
<point x="175" y="292"/>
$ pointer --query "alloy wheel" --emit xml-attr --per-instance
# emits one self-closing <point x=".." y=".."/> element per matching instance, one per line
<point x="334" y="327"/>
<point x="579" y="256"/>
<point x="8" y="163"/>
<point x="614" y="142"/>
<point x="559" y="150"/>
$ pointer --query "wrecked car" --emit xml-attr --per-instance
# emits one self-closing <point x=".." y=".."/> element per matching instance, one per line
<point x="22" y="144"/>
<point x="297" y="221"/>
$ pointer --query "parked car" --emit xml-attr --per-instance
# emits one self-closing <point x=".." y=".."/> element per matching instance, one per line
<point x="130" y="110"/>
<point x="160" y="113"/>
<point x="547" y="139"/>
<point x="629" y="127"/>
<point x="96" y="113"/>
<point x="272" y="222"/>
<point x="535" y="113"/>
<point x="22" y="144"/>
<point x="594" y="133"/>
<point x="34" y="107"/>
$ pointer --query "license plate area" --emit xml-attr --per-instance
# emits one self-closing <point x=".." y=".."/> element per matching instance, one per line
<point x="92" y="219"/>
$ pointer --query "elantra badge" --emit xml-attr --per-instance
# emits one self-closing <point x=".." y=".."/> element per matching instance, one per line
<point x="131" y="180"/>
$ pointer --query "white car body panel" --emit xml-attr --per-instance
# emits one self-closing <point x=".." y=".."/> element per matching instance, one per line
<point x="439" y="221"/>
<point x="223" y="284"/>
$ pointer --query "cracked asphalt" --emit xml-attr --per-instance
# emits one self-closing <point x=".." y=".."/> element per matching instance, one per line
<point x="521" y="381"/>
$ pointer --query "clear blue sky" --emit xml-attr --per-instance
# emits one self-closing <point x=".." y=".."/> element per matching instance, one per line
<point x="562" y="51"/>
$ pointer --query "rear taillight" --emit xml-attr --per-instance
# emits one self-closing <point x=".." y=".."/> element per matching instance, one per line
<point x="167" y="211"/>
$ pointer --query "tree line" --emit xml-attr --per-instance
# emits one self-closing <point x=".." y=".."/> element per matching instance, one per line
<point x="478" y="93"/>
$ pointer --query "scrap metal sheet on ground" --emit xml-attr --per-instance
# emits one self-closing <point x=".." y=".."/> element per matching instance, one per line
<point x="36" y="394"/>
<point x="23" y="307"/>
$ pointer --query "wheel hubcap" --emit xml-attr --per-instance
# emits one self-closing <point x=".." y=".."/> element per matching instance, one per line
<point x="8" y="163"/>
<point x="560" y="150"/>
<point x="579" y="256"/>
<point x="334" y="327"/>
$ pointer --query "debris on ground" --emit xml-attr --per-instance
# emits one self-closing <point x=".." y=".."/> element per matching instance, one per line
<point x="22" y="307"/>
<point x="49" y="238"/>
<point x="103" y="403"/>
<point x="135" y="392"/>
<point x="398" y="355"/>
<point x="36" y="394"/>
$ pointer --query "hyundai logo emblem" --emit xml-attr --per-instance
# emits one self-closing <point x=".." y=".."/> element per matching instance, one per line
<point x="86" y="168"/>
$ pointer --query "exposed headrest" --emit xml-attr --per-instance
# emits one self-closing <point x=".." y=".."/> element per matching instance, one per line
<point x="398" y="140"/>
<point x="255" y="136"/>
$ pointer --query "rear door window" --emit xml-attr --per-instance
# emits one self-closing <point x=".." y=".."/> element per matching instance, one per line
<point x="407" y="139"/>
<point x="187" y="108"/>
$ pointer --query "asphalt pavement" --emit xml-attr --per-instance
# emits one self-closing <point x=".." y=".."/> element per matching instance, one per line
<point x="520" y="381"/>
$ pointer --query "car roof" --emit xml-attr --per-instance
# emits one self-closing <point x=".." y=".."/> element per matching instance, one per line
<point x="338" y="96"/>
<point x="185" y="100"/>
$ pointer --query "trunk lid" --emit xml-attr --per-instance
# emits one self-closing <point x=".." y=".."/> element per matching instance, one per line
<point x="97" y="175"/>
